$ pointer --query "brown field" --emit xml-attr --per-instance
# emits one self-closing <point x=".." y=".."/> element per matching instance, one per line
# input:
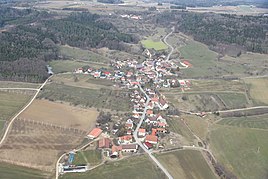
<point x="38" y="145"/>
<point x="61" y="114"/>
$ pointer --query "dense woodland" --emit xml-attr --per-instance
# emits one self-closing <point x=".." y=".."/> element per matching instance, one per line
<point x="35" y="40"/>
<point x="248" y="32"/>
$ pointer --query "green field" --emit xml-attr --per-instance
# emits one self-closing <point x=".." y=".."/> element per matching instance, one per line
<point x="258" y="90"/>
<point x="8" y="171"/>
<point x="186" y="164"/>
<point x="134" y="167"/>
<point x="260" y="122"/>
<point x="80" y="54"/>
<point x="92" y="157"/>
<point x="11" y="103"/>
<point x="99" y="98"/>
<point x="60" y="66"/>
<point x="151" y="44"/>
<point x="177" y="126"/>
<point x="11" y="84"/>
<point x="234" y="100"/>
<point x="242" y="151"/>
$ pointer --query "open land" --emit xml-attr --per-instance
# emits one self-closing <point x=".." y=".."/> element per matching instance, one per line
<point x="136" y="167"/>
<point x="186" y="164"/>
<point x="12" y="84"/>
<point x="243" y="151"/>
<point x="92" y="157"/>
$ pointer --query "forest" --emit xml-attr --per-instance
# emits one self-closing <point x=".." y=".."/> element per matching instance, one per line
<point x="247" y="32"/>
<point x="35" y="40"/>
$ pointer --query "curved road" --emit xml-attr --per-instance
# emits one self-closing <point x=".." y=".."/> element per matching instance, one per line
<point x="165" y="41"/>
<point x="135" y="134"/>
<point x="12" y="120"/>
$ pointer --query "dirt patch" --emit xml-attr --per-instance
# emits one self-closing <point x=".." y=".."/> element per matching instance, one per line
<point x="61" y="114"/>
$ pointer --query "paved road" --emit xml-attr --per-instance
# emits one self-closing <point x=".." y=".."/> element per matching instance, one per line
<point x="12" y="120"/>
<point x="170" y="46"/>
<point x="33" y="89"/>
<point x="135" y="134"/>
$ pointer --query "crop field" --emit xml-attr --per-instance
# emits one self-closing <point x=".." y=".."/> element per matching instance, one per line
<point x="82" y="80"/>
<point x="80" y="54"/>
<point x="9" y="171"/>
<point x="177" y="125"/>
<point x="134" y="167"/>
<point x="157" y="45"/>
<point x="234" y="100"/>
<point x="11" y="84"/>
<point x="60" y="66"/>
<point x="61" y="114"/>
<point x="259" y="122"/>
<point x="242" y="151"/>
<point x="101" y="98"/>
<point x="186" y="164"/>
<point x="11" y="103"/>
<point x="258" y="90"/>
<point x="38" y="145"/>
<point x="92" y="157"/>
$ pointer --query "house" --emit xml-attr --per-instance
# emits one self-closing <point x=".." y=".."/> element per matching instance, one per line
<point x="151" y="120"/>
<point x="148" y="145"/>
<point x="104" y="143"/>
<point x="94" y="133"/>
<point x="151" y="139"/>
<point x="125" y="139"/>
<point x="149" y="112"/>
<point x="141" y="132"/>
<point x="161" y="130"/>
<point x="130" y="148"/>
<point x="163" y="104"/>
<point x="115" y="151"/>
<point x="129" y="124"/>
<point x="136" y="115"/>
<point x="154" y="131"/>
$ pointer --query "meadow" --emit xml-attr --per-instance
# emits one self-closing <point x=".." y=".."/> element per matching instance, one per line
<point x="151" y="44"/>
<point x="92" y="157"/>
<point x="186" y="164"/>
<point x="134" y="167"/>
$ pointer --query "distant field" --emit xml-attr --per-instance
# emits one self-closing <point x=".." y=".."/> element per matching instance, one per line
<point x="242" y="151"/>
<point x="134" y="167"/>
<point x="234" y="100"/>
<point x="82" y="80"/>
<point x="61" y="114"/>
<point x="60" y="66"/>
<point x="8" y="171"/>
<point x="10" y="104"/>
<point x="157" y="45"/>
<point x="177" y="126"/>
<point x="260" y="122"/>
<point x="186" y="164"/>
<point x="258" y="90"/>
<point x="92" y="157"/>
<point x="97" y="98"/>
<point x="11" y="84"/>
<point x="80" y="54"/>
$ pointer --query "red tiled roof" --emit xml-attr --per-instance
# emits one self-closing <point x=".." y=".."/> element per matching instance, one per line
<point x="151" y="138"/>
<point x="142" y="130"/>
<point x="154" y="132"/>
<point x="95" y="132"/>
<point x="126" y="137"/>
<point x="104" y="143"/>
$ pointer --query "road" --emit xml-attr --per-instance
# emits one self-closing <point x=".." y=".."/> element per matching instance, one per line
<point x="23" y="109"/>
<point x="135" y="134"/>
<point x="170" y="46"/>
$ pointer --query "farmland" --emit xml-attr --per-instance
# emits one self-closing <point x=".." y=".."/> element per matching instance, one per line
<point x="60" y="114"/>
<point x="102" y="98"/>
<point x="243" y="151"/>
<point x="9" y="171"/>
<point x="136" y="167"/>
<point x="11" y="84"/>
<point x="157" y="45"/>
<point x="260" y="122"/>
<point x="92" y="157"/>
<point x="258" y="90"/>
<point x="186" y="164"/>
<point x="11" y="103"/>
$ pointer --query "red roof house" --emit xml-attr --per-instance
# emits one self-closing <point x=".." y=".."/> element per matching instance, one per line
<point x="151" y="139"/>
<point x="104" y="143"/>
<point x="94" y="133"/>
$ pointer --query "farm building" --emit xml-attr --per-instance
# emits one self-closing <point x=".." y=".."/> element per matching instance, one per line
<point x="94" y="133"/>
<point x="104" y="143"/>
<point x="152" y="139"/>
<point x="130" y="148"/>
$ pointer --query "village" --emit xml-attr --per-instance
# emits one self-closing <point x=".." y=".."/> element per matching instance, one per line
<point x="147" y="124"/>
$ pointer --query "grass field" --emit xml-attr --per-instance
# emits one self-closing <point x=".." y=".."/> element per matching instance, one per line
<point x="151" y="44"/>
<point x="242" y="151"/>
<point x="134" y="167"/>
<point x="61" y="114"/>
<point x="234" y="100"/>
<point x="11" y="84"/>
<point x="186" y="164"/>
<point x="80" y="54"/>
<point x="260" y="122"/>
<point x="82" y="80"/>
<point x="60" y="66"/>
<point x="92" y="157"/>
<point x="10" y="104"/>
<point x="97" y="98"/>
<point x="177" y="126"/>
<point x="8" y="171"/>
<point x="258" y="90"/>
